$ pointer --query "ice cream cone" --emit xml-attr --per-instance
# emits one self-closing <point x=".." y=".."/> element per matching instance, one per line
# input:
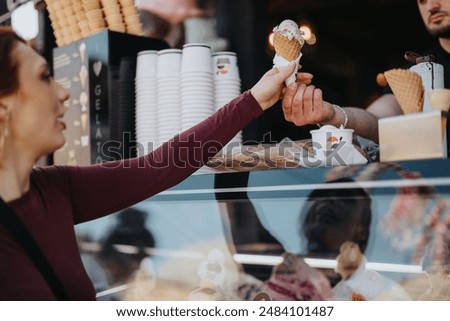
<point x="77" y="8"/>
<point x="132" y="19"/>
<point x="89" y="5"/>
<point x="114" y="19"/>
<point x="112" y="10"/>
<point x="288" y="49"/>
<point x="68" y="11"/>
<point x="54" y="5"/>
<point x="129" y="11"/>
<point x="135" y="29"/>
<point x="119" y="27"/>
<point x="408" y="89"/>
<point x="288" y="41"/>
<point x="126" y="3"/>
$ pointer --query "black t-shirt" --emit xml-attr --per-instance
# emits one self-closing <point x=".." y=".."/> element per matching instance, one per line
<point x="443" y="58"/>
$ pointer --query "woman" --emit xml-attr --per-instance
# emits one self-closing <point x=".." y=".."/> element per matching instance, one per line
<point x="50" y="200"/>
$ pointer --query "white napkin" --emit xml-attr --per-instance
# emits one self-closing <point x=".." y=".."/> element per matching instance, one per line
<point x="279" y="61"/>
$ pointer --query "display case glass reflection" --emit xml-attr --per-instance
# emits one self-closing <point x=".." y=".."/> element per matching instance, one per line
<point x="375" y="232"/>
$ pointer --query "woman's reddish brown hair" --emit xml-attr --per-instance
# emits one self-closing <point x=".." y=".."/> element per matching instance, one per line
<point x="9" y="78"/>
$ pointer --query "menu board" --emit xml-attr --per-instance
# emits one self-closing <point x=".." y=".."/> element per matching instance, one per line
<point x="71" y="68"/>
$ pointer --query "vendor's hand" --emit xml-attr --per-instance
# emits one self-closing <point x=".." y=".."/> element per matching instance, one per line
<point x="303" y="105"/>
<point x="267" y="91"/>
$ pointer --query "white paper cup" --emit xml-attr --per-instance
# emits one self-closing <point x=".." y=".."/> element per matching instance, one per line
<point x="196" y="58"/>
<point x="146" y="63"/>
<point x="328" y="137"/>
<point x="225" y="65"/>
<point x="168" y="63"/>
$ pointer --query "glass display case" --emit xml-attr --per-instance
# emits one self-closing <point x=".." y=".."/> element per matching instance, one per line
<point x="378" y="231"/>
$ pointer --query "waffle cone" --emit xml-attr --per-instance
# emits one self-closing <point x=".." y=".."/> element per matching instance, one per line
<point x="288" y="49"/>
<point x="408" y="89"/>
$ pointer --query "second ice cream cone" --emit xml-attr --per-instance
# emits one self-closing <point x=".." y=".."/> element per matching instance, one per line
<point x="408" y="89"/>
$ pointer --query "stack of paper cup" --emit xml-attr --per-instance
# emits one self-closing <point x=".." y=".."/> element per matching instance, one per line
<point x="168" y="66"/>
<point x="113" y="15"/>
<point x="197" y="84"/>
<point x="146" y="121"/>
<point x="126" y="105"/>
<point x="227" y="81"/>
<point x="131" y="17"/>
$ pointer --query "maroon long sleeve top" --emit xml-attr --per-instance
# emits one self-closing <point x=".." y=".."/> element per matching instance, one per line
<point x="62" y="196"/>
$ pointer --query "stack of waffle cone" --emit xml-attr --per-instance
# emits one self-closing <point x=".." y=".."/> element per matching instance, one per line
<point x="58" y="20"/>
<point x="288" y="49"/>
<point x="64" y="20"/>
<point x="131" y="17"/>
<point x="439" y="99"/>
<point x="82" y="21"/>
<point x="408" y="88"/>
<point x="113" y="15"/>
<point x="72" y="20"/>
<point x="94" y="16"/>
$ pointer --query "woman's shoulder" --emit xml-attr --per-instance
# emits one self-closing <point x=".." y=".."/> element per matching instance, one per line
<point x="53" y="175"/>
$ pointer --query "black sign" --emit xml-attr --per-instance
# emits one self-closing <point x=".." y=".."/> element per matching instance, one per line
<point x="3" y="8"/>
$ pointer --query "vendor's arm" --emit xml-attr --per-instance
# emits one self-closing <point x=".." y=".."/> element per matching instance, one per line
<point x="303" y="105"/>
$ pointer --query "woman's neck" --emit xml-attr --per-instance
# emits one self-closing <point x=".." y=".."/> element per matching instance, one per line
<point x="14" y="180"/>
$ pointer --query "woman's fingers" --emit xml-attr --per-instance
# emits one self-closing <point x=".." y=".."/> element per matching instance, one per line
<point x="304" y="78"/>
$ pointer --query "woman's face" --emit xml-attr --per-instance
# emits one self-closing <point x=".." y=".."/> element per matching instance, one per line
<point x="36" y="109"/>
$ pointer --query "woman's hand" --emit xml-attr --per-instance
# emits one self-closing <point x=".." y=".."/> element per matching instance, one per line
<point x="267" y="91"/>
<point x="304" y="78"/>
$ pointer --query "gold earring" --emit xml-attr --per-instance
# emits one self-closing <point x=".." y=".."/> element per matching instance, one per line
<point x="3" y="136"/>
<point x="4" y="129"/>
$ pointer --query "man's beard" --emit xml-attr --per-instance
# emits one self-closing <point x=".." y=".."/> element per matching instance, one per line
<point x="443" y="32"/>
